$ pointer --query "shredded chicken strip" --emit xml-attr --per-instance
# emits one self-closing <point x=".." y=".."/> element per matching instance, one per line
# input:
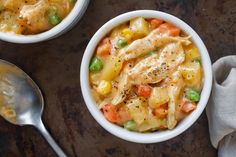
<point x="124" y="87"/>
<point x="174" y="88"/>
<point x="155" y="68"/>
<point x="151" y="42"/>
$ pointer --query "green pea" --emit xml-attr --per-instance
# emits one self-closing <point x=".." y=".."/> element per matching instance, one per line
<point x="54" y="20"/>
<point x="96" y="65"/>
<point x="130" y="125"/>
<point x="198" y="61"/>
<point x="121" y="43"/>
<point x="53" y="17"/>
<point x="193" y="95"/>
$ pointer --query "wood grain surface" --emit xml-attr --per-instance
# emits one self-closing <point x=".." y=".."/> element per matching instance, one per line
<point x="55" y="67"/>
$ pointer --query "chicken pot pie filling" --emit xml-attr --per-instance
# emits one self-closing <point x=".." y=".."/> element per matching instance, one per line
<point x="146" y="75"/>
<point x="32" y="16"/>
<point x="7" y="92"/>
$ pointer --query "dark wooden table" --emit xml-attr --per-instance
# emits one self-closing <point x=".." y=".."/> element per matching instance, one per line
<point x="55" y="65"/>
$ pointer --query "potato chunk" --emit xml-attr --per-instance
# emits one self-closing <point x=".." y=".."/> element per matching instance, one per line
<point x="138" y="110"/>
<point x="140" y="27"/>
<point x="191" y="53"/>
<point x="112" y="68"/>
<point x="152" y="123"/>
<point x="192" y="74"/>
<point x="158" y="97"/>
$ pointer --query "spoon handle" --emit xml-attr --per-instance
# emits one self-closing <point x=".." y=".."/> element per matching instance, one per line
<point x="40" y="126"/>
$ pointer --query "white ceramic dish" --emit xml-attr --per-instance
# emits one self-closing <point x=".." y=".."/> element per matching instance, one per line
<point x="159" y="135"/>
<point x="66" y="24"/>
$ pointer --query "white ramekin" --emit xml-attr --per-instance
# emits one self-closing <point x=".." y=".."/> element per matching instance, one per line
<point x="67" y="23"/>
<point x="159" y="135"/>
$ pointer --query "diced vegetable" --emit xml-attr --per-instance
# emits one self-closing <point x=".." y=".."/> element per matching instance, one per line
<point x="191" y="53"/>
<point x="96" y="65"/>
<point x="54" y="18"/>
<point x="158" y="97"/>
<point x="140" y="27"/>
<point x="187" y="106"/>
<point x="130" y="125"/>
<point x="198" y="61"/>
<point x="121" y="43"/>
<point x="116" y="32"/>
<point x="138" y="110"/>
<point x="127" y="33"/>
<point x="152" y="123"/>
<point x="192" y="74"/>
<point x="104" y="87"/>
<point x="115" y="114"/>
<point x="155" y="23"/>
<point x="170" y="29"/>
<point x="110" y="113"/>
<point x="160" y="112"/>
<point x="144" y="90"/>
<point x="193" y="95"/>
<point x="104" y="49"/>
<point x="95" y="78"/>
<point x="112" y="68"/>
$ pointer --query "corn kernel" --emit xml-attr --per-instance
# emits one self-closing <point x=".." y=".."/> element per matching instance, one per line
<point x="104" y="87"/>
<point x="127" y="33"/>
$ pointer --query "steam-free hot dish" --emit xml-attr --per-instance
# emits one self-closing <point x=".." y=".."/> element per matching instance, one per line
<point x="32" y="16"/>
<point x="146" y="75"/>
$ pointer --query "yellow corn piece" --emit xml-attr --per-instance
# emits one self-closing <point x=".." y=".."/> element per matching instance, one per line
<point x="127" y="34"/>
<point x="104" y="87"/>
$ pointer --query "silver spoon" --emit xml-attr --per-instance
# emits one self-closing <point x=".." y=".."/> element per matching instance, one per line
<point x="27" y="102"/>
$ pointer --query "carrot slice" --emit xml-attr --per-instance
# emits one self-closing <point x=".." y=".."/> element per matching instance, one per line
<point x="116" y="114"/>
<point x="104" y="49"/>
<point x="155" y="23"/>
<point x="187" y="106"/>
<point x="160" y="112"/>
<point x="144" y="90"/>
<point x="170" y="29"/>
<point x="110" y="113"/>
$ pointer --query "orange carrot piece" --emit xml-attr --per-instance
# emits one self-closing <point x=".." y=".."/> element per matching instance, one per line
<point x="155" y="23"/>
<point x="104" y="48"/>
<point x="144" y="90"/>
<point x="110" y="113"/>
<point x="116" y="114"/>
<point x="160" y="112"/>
<point x="170" y="29"/>
<point x="187" y="106"/>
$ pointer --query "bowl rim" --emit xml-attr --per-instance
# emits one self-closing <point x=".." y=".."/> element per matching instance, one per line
<point x="157" y="136"/>
<point x="78" y="8"/>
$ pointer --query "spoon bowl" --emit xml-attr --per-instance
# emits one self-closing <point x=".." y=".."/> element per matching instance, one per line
<point x="27" y="102"/>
